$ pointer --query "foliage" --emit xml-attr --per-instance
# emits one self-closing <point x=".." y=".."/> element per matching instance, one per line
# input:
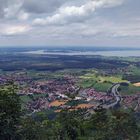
<point x="67" y="125"/>
<point x="129" y="90"/>
<point x="10" y="111"/>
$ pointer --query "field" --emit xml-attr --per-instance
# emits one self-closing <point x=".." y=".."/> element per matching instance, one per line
<point x="87" y="72"/>
<point x="137" y="84"/>
<point x="98" y="81"/>
<point x="130" y="90"/>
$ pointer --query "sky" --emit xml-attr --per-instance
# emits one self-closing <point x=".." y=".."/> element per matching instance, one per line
<point x="70" y="23"/>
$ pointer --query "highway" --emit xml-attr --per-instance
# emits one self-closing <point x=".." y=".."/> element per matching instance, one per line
<point x="115" y="93"/>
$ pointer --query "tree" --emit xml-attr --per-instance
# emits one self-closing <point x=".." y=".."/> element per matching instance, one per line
<point x="10" y="111"/>
<point x="32" y="130"/>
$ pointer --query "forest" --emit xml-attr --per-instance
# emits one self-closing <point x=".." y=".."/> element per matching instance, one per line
<point x="67" y="125"/>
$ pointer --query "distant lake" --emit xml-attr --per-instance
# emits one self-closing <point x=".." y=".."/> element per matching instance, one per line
<point x="122" y="53"/>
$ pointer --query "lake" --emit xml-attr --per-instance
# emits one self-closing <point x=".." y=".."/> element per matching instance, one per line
<point x="122" y="53"/>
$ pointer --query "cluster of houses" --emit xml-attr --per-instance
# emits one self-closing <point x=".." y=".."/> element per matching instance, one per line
<point x="59" y="99"/>
<point x="130" y="100"/>
<point x="38" y="104"/>
<point x="91" y="94"/>
<point x="3" y="80"/>
<point x="57" y="86"/>
<point x="18" y="78"/>
<point x="58" y="89"/>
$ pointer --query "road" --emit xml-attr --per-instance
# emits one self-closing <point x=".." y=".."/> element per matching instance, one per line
<point x="115" y="93"/>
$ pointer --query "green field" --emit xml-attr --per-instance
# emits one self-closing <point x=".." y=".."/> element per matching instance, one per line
<point x="100" y="83"/>
<point x="129" y="90"/>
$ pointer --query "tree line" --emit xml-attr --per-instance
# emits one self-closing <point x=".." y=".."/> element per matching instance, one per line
<point x="67" y="125"/>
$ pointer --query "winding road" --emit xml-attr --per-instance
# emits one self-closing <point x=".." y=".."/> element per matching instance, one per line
<point x="115" y="93"/>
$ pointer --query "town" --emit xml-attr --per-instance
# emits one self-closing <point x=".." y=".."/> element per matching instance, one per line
<point x="62" y="93"/>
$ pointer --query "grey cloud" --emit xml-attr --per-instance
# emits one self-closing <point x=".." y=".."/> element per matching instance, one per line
<point x="3" y="4"/>
<point x="47" y="6"/>
<point x="42" y="6"/>
<point x="72" y="13"/>
<point x="10" y="8"/>
<point x="69" y="22"/>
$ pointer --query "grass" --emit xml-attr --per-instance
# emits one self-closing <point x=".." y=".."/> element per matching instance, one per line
<point x="101" y="79"/>
<point x="135" y="70"/>
<point x="25" y="98"/>
<point x="88" y="83"/>
<point x="35" y="96"/>
<point x="102" y="87"/>
<point x="112" y="79"/>
<point x="100" y="83"/>
<point x="129" y="90"/>
<point x="75" y="102"/>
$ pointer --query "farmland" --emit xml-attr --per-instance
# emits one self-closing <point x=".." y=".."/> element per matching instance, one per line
<point x="49" y="87"/>
<point x="56" y="82"/>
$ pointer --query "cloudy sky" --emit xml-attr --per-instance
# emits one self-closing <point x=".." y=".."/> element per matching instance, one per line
<point x="70" y="23"/>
